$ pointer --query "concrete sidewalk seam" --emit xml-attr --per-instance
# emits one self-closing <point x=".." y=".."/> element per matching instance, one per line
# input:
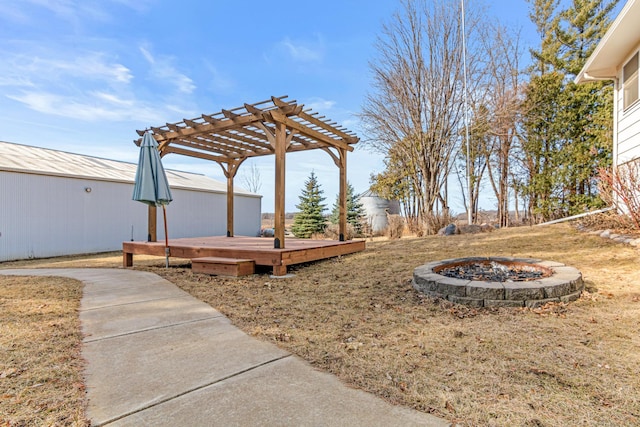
<point x="194" y="389"/>
<point x="133" y="302"/>
<point x="152" y="329"/>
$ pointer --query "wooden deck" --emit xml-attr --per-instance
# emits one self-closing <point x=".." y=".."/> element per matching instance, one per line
<point x="258" y="249"/>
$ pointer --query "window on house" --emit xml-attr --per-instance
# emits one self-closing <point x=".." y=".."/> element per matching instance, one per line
<point x="630" y="81"/>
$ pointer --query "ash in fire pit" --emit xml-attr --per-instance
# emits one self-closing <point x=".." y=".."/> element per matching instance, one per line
<point x="499" y="282"/>
<point x="492" y="271"/>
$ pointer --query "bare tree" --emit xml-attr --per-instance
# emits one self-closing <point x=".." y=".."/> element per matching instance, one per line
<point x="473" y="172"/>
<point x="504" y="96"/>
<point x="251" y="178"/>
<point x="416" y="109"/>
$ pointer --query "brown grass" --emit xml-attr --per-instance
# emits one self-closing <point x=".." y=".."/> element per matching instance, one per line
<point x="359" y="318"/>
<point x="40" y="365"/>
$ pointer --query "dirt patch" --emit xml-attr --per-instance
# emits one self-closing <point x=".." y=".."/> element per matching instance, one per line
<point x="40" y="364"/>
<point x="359" y="317"/>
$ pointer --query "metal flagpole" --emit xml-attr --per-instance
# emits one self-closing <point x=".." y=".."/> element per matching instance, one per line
<point x="466" y="118"/>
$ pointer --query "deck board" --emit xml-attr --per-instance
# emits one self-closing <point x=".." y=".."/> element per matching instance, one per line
<point x="258" y="249"/>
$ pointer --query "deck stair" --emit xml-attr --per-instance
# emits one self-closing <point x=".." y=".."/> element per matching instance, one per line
<point x="223" y="266"/>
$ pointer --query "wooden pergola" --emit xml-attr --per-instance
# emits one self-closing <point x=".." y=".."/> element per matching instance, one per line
<point x="275" y="126"/>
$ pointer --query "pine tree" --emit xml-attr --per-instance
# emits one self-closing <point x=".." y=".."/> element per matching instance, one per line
<point x="309" y="218"/>
<point x="589" y="107"/>
<point x="567" y="126"/>
<point x="355" y="210"/>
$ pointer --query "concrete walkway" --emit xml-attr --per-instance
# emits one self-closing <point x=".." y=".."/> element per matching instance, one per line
<point x="156" y="356"/>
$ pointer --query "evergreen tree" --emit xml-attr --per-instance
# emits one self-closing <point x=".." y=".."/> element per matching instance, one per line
<point x="589" y="107"/>
<point x="568" y="128"/>
<point x="355" y="210"/>
<point x="309" y="218"/>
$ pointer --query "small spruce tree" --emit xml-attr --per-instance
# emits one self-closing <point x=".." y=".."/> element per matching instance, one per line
<point x="309" y="218"/>
<point x="355" y="210"/>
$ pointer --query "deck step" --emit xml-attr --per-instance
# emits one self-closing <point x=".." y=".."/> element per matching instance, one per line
<point x="223" y="266"/>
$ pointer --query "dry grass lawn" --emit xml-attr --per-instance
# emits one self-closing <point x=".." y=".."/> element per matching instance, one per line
<point x="359" y="318"/>
<point x="40" y="365"/>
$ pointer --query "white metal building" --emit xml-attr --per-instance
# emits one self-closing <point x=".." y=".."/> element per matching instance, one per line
<point x="55" y="203"/>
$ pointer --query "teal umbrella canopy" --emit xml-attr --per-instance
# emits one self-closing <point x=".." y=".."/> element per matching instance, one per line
<point x="151" y="185"/>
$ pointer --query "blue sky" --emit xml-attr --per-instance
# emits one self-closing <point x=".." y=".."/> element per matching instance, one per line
<point x="83" y="75"/>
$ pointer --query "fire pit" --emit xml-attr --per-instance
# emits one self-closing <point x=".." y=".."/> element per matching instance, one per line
<point x="499" y="282"/>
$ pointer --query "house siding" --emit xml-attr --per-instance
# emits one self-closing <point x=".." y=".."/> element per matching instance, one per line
<point x="628" y="123"/>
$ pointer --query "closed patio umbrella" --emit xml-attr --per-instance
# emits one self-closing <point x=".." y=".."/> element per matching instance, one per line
<point x="151" y="185"/>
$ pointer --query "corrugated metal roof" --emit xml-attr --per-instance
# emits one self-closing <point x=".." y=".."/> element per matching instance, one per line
<point x="45" y="161"/>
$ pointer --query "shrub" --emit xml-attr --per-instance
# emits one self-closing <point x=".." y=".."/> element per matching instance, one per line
<point x="395" y="227"/>
<point x="622" y="189"/>
<point x="333" y="232"/>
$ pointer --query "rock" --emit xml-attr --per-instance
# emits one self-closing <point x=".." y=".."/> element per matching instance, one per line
<point x="470" y="229"/>
<point x="487" y="228"/>
<point x="449" y="230"/>
<point x="605" y="233"/>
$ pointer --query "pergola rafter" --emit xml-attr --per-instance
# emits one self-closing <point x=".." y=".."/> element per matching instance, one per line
<point x="274" y="126"/>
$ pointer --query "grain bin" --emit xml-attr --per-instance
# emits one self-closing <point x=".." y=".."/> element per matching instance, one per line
<point x="376" y="209"/>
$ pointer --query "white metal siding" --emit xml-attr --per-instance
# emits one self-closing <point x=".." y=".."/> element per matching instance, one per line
<point x="44" y="216"/>
<point x="247" y="216"/>
<point x="195" y="213"/>
<point x="628" y="126"/>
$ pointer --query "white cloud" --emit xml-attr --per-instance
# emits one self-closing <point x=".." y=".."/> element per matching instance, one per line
<point x="137" y="5"/>
<point x="301" y="51"/>
<point x="76" y="12"/>
<point x="113" y="99"/>
<point x="90" y="86"/>
<point x="217" y="80"/>
<point x="16" y="81"/>
<point x="163" y="70"/>
<point x="63" y="8"/>
<point x="93" y="107"/>
<point x="350" y="123"/>
<point x="10" y="11"/>
<point x="320" y="104"/>
<point x="95" y="66"/>
<point x="35" y="68"/>
<point x="181" y="113"/>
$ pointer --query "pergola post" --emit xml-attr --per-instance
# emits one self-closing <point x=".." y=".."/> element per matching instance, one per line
<point x="280" y="152"/>
<point x="343" y="195"/>
<point x="230" y="169"/>
<point x="152" y="219"/>
<point x="230" y="205"/>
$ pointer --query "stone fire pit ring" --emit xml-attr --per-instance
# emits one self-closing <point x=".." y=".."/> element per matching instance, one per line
<point x="562" y="284"/>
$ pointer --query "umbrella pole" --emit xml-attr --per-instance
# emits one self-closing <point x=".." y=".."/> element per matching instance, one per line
<point x="166" y="237"/>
